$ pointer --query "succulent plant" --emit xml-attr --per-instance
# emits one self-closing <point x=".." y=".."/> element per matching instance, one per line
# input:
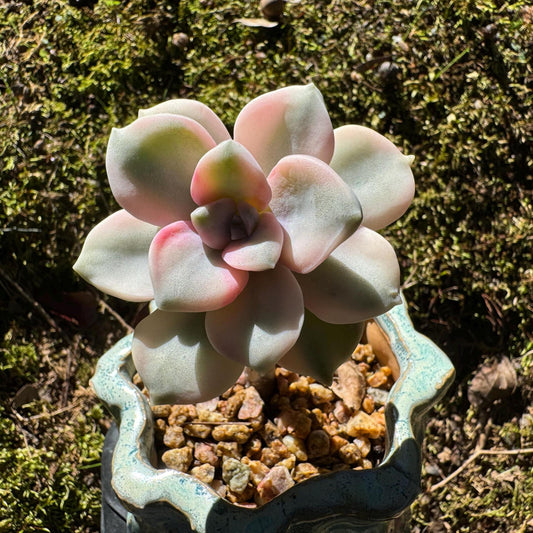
<point x="256" y="250"/>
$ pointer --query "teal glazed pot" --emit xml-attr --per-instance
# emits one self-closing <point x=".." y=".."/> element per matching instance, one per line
<point x="168" y="501"/>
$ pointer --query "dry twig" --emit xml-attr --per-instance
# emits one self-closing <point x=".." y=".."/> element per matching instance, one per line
<point x="472" y="458"/>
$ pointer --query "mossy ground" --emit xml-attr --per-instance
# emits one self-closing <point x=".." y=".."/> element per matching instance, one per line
<point x="456" y="93"/>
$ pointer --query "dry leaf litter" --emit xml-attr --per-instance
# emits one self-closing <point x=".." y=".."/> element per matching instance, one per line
<point x="263" y="436"/>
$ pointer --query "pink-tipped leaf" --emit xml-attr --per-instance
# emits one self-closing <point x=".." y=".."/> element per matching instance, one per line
<point x="358" y="281"/>
<point x="150" y="165"/>
<point x="176" y="361"/>
<point x="315" y="207"/>
<point x="263" y="322"/>
<point x="114" y="257"/>
<point x="378" y="172"/>
<point x="230" y="171"/>
<point x="292" y="120"/>
<point x="194" y="110"/>
<point x="188" y="276"/>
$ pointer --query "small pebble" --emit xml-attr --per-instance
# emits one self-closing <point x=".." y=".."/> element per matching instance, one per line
<point x="320" y="394"/>
<point x="295" y="423"/>
<point x="252" y="405"/>
<point x="317" y="444"/>
<point x="205" y="473"/>
<point x="178" y="458"/>
<point x="174" y="437"/>
<point x="239" y="433"/>
<point x="200" y="431"/>
<point x="277" y="481"/>
<point x="206" y="453"/>
<point x="235" y="474"/>
<point x="304" y="471"/>
<point x="295" y="446"/>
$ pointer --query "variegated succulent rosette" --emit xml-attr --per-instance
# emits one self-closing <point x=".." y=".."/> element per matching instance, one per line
<point x="256" y="250"/>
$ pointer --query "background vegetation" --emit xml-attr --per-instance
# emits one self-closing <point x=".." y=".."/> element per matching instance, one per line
<point x="449" y="82"/>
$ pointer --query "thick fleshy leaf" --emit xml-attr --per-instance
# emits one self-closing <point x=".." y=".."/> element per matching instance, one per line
<point x="195" y="110"/>
<point x="114" y="257"/>
<point x="263" y="322"/>
<point x="322" y="348"/>
<point x="358" y="281"/>
<point x="261" y="250"/>
<point x="378" y="172"/>
<point x="176" y="361"/>
<point x="188" y="276"/>
<point x="213" y="222"/>
<point x="315" y="207"/>
<point x="292" y="120"/>
<point x="150" y="164"/>
<point x="230" y="171"/>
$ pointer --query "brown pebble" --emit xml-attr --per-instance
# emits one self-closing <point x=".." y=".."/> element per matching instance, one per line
<point x="363" y="425"/>
<point x="320" y="394"/>
<point x="364" y="353"/>
<point x="295" y="446"/>
<point x="174" y="437"/>
<point x="300" y="386"/>
<point x="377" y="379"/>
<point x="233" y="404"/>
<point x="341" y="412"/>
<point x="317" y="444"/>
<point x="206" y="453"/>
<point x="200" y="431"/>
<point x="368" y="404"/>
<point x="253" y="447"/>
<point x="178" y="458"/>
<point x="363" y="443"/>
<point x="205" y="473"/>
<point x="270" y="432"/>
<point x="274" y="453"/>
<point x="278" y="480"/>
<point x="228" y="449"/>
<point x="336" y="443"/>
<point x="181" y="413"/>
<point x="295" y="423"/>
<point x="258" y="470"/>
<point x="161" y="411"/>
<point x="349" y="384"/>
<point x="304" y="471"/>
<point x="239" y="433"/>
<point x="350" y="453"/>
<point x="252" y="405"/>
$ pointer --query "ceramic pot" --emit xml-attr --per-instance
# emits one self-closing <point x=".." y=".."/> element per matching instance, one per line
<point x="167" y="501"/>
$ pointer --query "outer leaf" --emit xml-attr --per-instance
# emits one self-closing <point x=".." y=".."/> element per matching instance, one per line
<point x="314" y="206"/>
<point x="263" y="322"/>
<point x="377" y="171"/>
<point x="260" y="251"/>
<point x="230" y="171"/>
<point x="188" y="276"/>
<point x="292" y="120"/>
<point x="176" y="362"/>
<point x="150" y="164"/>
<point x="195" y="110"/>
<point x="114" y="257"/>
<point x="359" y="280"/>
<point x="322" y="347"/>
